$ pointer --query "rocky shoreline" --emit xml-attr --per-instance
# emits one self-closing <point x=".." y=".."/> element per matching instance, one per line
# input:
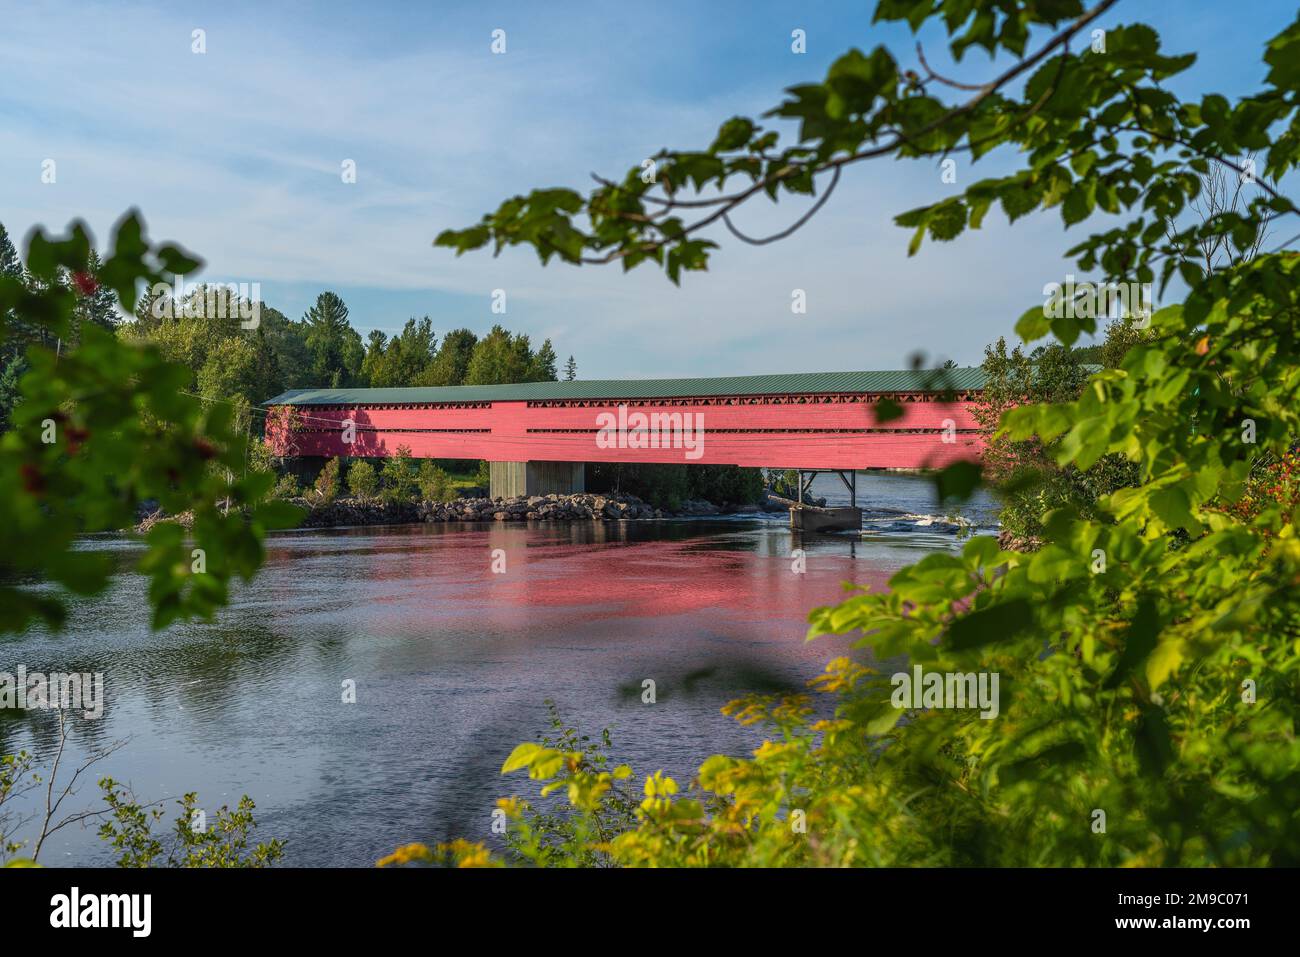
<point x="581" y="507"/>
<point x="1009" y="542"/>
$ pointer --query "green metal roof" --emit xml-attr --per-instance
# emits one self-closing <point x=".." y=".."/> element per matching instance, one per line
<point x="905" y="380"/>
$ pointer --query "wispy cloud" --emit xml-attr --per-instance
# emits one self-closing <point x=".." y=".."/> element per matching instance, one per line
<point x="237" y="153"/>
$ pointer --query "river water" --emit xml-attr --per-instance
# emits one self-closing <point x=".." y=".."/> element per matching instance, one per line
<point x="452" y="663"/>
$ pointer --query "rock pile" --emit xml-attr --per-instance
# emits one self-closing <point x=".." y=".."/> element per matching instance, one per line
<point x="555" y="508"/>
<point x="1010" y="542"/>
<point x="352" y="511"/>
<point x="606" y="507"/>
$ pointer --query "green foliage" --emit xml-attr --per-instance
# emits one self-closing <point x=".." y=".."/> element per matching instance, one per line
<point x="286" y="487"/>
<point x="502" y="357"/>
<point x="542" y="367"/>
<point x="725" y="484"/>
<point x="128" y="825"/>
<point x="784" y="482"/>
<point x="1071" y="113"/>
<point x="1029" y="482"/>
<point x="10" y="264"/>
<point x="1122" y="335"/>
<point x="596" y="804"/>
<point x="327" y="485"/>
<point x="16" y="777"/>
<point x="451" y="363"/>
<point x="584" y="804"/>
<point x="105" y="426"/>
<point x="434" y="483"/>
<point x="10" y="374"/>
<point x="96" y="304"/>
<point x="203" y="332"/>
<point x="398" y="475"/>
<point x="1148" y="654"/>
<point x="362" y="481"/>
<point x="334" y="346"/>
<point x="401" y="361"/>
<point x="231" y="369"/>
<point x="221" y="842"/>
<point x="668" y="485"/>
<point x="261" y="458"/>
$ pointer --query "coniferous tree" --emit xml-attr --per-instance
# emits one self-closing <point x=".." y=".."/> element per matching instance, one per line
<point x="19" y="334"/>
<point x="371" y="365"/>
<point x="327" y="341"/>
<point x="98" y="305"/>
<point x="288" y="341"/>
<point x="14" y="365"/>
<point x="451" y="362"/>
<point x="543" y="364"/>
<point x="10" y="264"/>
<point x="497" y="359"/>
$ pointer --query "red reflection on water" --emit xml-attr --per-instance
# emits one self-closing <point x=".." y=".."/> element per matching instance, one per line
<point x="447" y="580"/>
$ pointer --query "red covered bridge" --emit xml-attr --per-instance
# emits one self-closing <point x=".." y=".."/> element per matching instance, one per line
<point x="541" y="433"/>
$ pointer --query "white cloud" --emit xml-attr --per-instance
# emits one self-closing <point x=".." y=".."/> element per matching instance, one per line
<point x="236" y="153"/>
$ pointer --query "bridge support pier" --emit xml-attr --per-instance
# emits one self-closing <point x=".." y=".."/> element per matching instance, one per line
<point x="811" y="518"/>
<point x="849" y="478"/>
<point x="509" y="479"/>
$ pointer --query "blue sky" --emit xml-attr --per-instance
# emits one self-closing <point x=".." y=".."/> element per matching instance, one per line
<point x="236" y="153"/>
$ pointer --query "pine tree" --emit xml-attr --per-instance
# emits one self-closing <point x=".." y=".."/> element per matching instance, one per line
<point x="327" y="328"/>
<point x="543" y="364"/>
<point x="570" y="370"/>
<point x="372" y="366"/>
<point x="14" y="366"/>
<point x="18" y="334"/>
<point x="98" y="306"/>
<point x="10" y="264"/>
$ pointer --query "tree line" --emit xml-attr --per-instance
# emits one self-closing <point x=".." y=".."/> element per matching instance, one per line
<point x="247" y="366"/>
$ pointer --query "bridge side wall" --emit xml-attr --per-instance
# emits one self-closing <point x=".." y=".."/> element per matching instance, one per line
<point x="798" y="432"/>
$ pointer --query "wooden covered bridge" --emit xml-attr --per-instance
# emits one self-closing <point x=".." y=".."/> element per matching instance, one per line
<point x="539" y="435"/>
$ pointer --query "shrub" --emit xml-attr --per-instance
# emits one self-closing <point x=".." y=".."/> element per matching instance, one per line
<point x="286" y="487"/>
<point x="223" y="842"/>
<point x="435" y="486"/>
<point x="362" y="481"/>
<point x="326" y="487"/>
<point x="398" y="475"/>
<point x="1029" y="482"/>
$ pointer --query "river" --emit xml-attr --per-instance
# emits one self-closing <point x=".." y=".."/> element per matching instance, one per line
<point x="452" y="663"/>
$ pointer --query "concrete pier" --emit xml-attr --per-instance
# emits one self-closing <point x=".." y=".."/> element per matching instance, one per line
<point x="509" y="479"/>
<point x="810" y="518"/>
